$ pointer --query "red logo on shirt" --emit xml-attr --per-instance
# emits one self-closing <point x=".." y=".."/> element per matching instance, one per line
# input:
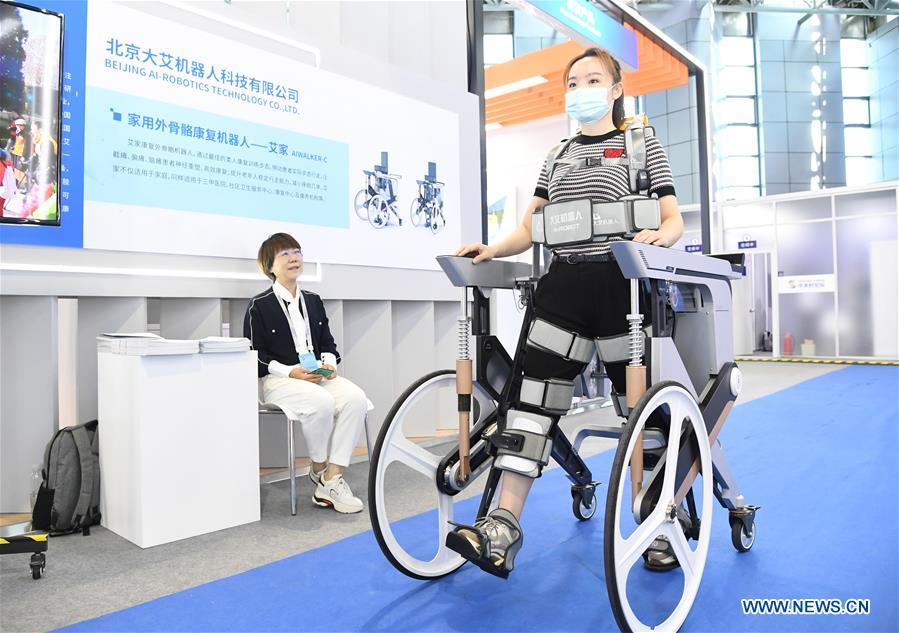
<point x="611" y="152"/>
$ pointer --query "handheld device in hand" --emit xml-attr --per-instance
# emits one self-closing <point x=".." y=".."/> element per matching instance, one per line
<point x="322" y="371"/>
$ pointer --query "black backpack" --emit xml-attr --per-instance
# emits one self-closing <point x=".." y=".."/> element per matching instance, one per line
<point x="69" y="497"/>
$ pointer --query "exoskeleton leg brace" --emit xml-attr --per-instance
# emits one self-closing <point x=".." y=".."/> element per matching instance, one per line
<point x="523" y="445"/>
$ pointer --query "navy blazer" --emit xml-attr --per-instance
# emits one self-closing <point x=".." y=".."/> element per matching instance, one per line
<point x="266" y="325"/>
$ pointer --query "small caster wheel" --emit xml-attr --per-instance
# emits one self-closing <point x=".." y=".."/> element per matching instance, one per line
<point x="582" y="511"/>
<point x="38" y="562"/>
<point x="742" y="541"/>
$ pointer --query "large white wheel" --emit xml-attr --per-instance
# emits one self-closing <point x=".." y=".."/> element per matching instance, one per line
<point x="360" y="204"/>
<point x="404" y="471"/>
<point x="644" y="600"/>
<point x="417" y="212"/>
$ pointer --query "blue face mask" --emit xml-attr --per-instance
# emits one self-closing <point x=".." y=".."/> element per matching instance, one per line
<point x="586" y="105"/>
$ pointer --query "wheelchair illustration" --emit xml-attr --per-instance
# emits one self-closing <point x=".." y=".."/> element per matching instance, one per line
<point x="427" y="208"/>
<point x="668" y="463"/>
<point x="377" y="200"/>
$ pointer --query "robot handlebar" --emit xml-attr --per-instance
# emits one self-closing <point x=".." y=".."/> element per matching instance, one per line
<point x="494" y="273"/>
<point x="644" y="261"/>
<point x="636" y="260"/>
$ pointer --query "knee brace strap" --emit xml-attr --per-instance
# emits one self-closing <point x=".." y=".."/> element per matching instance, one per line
<point x="551" y="338"/>
<point x="553" y="395"/>
<point x="522" y="445"/>
<point x="613" y="349"/>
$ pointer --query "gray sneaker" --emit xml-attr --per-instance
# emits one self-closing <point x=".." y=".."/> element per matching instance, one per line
<point x="316" y="477"/>
<point x="491" y="543"/>
<point x="659" y="556"/>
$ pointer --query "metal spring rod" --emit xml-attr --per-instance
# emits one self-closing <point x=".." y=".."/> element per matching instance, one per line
<point x="463" y="323"/>
<point x="635" y="326"/>
<point x="464" y="327"/>
<point x="463" y="391"/>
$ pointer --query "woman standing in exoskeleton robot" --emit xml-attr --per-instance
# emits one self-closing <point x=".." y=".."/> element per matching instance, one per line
<point x="583" y="291"/>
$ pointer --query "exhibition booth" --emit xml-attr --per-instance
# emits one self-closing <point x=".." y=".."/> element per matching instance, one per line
<point x="153" y="146"/>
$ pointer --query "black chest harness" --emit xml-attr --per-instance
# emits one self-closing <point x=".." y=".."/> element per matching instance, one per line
<point x="585" y="220"/>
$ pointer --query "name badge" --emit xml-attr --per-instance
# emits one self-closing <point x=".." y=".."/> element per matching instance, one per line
<point x="308" y="361"/>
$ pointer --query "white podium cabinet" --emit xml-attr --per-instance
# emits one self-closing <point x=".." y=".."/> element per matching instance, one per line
<point x="179" y="444"/>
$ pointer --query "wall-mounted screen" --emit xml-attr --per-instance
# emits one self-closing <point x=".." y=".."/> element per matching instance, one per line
<point x="30" y="107"/>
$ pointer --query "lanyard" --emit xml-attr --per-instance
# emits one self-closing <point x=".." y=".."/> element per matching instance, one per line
<point x="293" y="332"/>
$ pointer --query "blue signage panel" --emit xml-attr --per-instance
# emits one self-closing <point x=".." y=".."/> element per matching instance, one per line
<point x="162" y="156"/>
<point x="693" y="248"/>
<point x="747" y="244"/>
<point x="583" y="19"/>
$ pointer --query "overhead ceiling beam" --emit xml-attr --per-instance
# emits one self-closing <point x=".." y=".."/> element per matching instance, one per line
<point x="764" y="8"/>
<point x="640" y="23"/>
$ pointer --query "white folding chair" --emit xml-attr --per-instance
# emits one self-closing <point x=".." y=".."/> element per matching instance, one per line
<point x="270" y="408"/>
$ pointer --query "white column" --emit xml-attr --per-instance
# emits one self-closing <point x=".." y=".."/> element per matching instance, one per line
<point x="28" y="393"/>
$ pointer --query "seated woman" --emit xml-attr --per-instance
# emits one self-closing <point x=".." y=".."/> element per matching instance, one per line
<point x="289" y="330"/>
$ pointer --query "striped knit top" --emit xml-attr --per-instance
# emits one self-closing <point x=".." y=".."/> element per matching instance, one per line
<point x="602" y="183"/>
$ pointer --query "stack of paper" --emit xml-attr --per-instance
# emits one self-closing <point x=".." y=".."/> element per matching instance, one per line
<point x="212" y="344"/>
<point x="144" y="344"/>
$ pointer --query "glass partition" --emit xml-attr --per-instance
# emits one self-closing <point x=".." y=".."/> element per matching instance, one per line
<point x="807" y="324"/>
<point x="868" y="203"/>
<point x="809" y="209"/>
<point x="864" y="265"/>
<point x="804" y="249"/>
<point x="835" y="269"/>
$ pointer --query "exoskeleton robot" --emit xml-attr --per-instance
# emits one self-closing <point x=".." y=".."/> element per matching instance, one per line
<point x="669" y="463"/>
<point x="427" y="208"/>
<point x="377" y="200"/>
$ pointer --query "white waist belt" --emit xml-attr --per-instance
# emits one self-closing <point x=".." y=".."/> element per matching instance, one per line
<point x="583" y="220"/>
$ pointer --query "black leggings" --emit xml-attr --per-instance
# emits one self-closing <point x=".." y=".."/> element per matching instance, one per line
<point x="590" y="298"/>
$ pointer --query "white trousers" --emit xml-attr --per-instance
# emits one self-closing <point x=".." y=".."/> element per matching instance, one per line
<point x="331" y="413"/>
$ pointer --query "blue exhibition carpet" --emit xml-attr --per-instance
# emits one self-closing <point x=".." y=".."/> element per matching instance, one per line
<point x="820" y="458"/>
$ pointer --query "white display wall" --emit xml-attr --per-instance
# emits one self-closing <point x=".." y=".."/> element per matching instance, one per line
<point x="199" y="145"/>
<point x="56" y="300"/>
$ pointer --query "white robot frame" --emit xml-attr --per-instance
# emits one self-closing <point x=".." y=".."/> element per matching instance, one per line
<point x="691" y="375"/>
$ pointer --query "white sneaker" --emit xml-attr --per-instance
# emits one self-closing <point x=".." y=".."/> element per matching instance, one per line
<point x="336" y="493"/>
